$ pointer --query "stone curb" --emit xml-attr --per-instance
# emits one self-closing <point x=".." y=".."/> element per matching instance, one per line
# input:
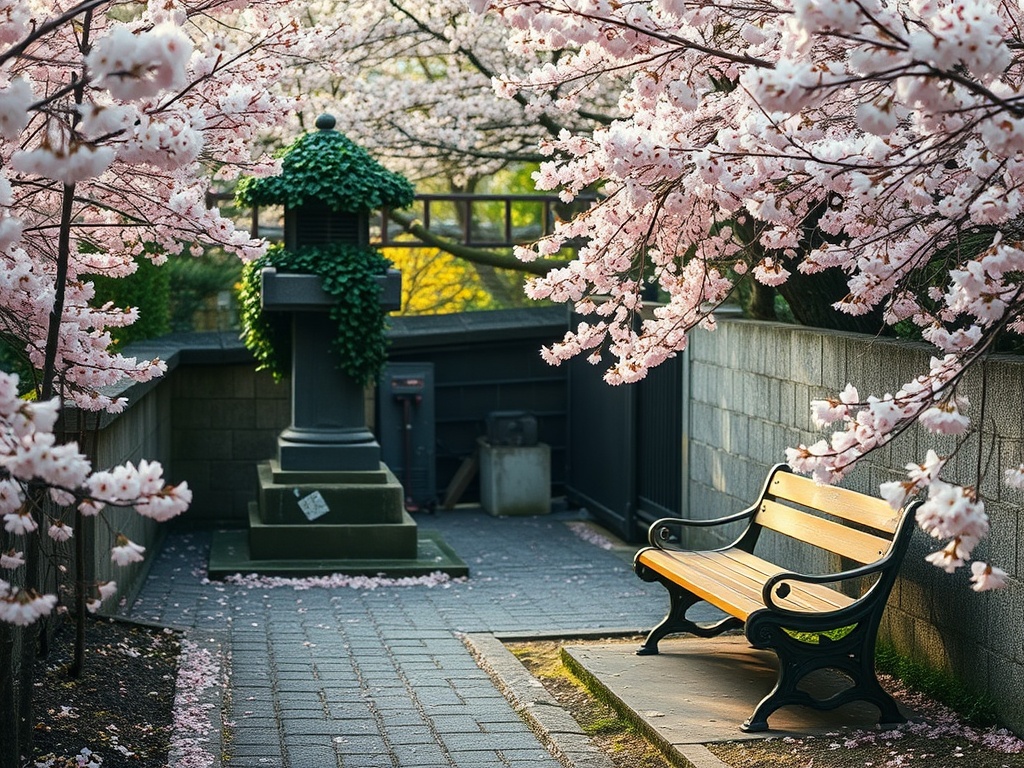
<point x="555" y="727"/>
<point x="691" y="755"/>
<point x="699" y="756"/>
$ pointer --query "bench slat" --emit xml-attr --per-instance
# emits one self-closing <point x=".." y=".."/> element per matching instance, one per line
<point x="841" y="502"/>
<point x="719" y="595"/>
<point x="819" y="597"/>
<point x="719" y="567"/>
<point x="827" y="534"/>
<point x="731" y="580"/>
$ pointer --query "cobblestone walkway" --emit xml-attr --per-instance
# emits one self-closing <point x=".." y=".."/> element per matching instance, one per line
<point x="361" y="678"/>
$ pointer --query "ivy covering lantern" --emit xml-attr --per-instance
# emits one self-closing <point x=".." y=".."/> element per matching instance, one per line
<point x="326" y="503"/>
<point x="328" y="186"/>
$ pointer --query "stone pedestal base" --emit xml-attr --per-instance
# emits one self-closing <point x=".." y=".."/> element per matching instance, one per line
<point x="316" y="541"/>
<point x="324" y="457"/>
<point x="328" y="498"/>
<point x="515" y="480"/>
<point x="330" y="515"/>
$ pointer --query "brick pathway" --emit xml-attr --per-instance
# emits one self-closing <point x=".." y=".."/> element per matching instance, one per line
<point x="380" y="677"/>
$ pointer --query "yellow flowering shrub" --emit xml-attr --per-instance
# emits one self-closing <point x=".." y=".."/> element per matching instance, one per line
<point x="437" y="283"/>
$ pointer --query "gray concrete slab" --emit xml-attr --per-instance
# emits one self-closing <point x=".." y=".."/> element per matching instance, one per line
<point x="699" y="691"/>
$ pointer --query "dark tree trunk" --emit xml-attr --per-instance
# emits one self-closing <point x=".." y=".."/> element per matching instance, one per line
<point x="811" y="297"/>
<point x="761" y="302"/>
<point x="10" y="707"/>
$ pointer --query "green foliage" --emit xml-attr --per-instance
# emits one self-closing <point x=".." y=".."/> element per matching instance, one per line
<point x="935" y="274"/>
<point x="327" y="168"/>
<point x="974" y="707"/>
<point x="193" y="281"/>
<point x="814" y="638"/>
<point x="606" y="726"/>
<point x="14" y="360"/>
<point x="348" y="273"/>
<point x="515" y="179"/>
<point x="437" y="283"/>
<point x="148" y="289"/>
<point x="266" y="335"/>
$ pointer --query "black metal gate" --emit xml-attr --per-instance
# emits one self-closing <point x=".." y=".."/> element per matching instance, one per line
<point x="626" y="446"/>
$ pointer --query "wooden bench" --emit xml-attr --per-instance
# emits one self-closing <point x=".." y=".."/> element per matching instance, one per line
<point x="780" y="609"/>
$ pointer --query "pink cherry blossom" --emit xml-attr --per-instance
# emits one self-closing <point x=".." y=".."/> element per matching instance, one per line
<point x="165" y="503"/>
<point x="138" y="66"/>
<point x="69" y="165"/>
<point x="19" y="523"/>
<point x="951" y="511"/>
<point x="946" y="418"/>
<point x="947" y="558"/>
<point x="24" y="606"/>
<point x="1014" y="477"/>
<point x="107" y="589"/>
<point x="60" y="532"/>
<point x="163" y="102"/>
<point x="15" y="100"/>
<point x="888" y="128"/>
<point x="11" y="497"/>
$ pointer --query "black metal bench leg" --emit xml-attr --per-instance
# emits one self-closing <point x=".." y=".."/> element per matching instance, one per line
<point x="784" y="692"/>
<point x="866" y="686"/>
<point x="675" y="621"/>
<point x="852" y="655"/>
<point x="888" y="712"/>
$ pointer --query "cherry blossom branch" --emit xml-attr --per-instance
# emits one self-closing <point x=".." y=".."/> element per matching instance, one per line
<point x="18" y="50"/>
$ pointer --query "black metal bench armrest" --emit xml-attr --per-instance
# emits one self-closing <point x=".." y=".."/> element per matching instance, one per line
<point x="659" y="534"/>
<point x="779" y="579"/>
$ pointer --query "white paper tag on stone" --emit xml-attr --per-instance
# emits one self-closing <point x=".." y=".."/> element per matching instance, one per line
<point x="314" y="506"/>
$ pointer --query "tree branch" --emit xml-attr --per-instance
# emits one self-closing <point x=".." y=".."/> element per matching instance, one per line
<point x="483" y="256"/>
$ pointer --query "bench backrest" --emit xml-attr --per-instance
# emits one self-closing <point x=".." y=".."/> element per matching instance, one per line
<point x="855" y="525"/>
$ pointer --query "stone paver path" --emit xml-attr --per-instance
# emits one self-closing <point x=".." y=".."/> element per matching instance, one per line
<point x="380" y="677"/>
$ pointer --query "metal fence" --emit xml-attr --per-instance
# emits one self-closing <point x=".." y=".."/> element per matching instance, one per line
<point x="626" y="459"/>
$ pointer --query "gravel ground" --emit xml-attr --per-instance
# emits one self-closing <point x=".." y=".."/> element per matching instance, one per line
<point x="120" y="710"/>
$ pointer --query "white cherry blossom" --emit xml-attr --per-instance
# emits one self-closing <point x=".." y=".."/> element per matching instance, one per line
<point x="126" y="551"/>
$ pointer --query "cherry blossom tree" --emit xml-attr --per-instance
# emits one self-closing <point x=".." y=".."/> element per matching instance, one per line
<point x="107" y="127"/>
<point x="113" y="119"/>
<point x="410" y="80"/>
<point x="877" y="142"/>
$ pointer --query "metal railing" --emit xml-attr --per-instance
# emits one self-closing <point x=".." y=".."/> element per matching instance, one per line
<point x="478" y="221"/>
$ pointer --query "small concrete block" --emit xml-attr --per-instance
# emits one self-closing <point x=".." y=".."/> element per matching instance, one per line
<point x="515" y="480"/>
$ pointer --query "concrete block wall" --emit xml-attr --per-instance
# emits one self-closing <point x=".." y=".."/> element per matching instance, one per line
<point x="750" y="387"/>
<point x="226" y="419"/>
<point x="142" y="433"/>
<point x="208" y="420"/>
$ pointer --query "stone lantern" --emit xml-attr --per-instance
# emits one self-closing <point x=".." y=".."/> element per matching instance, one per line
<point x="326" y="496"/>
